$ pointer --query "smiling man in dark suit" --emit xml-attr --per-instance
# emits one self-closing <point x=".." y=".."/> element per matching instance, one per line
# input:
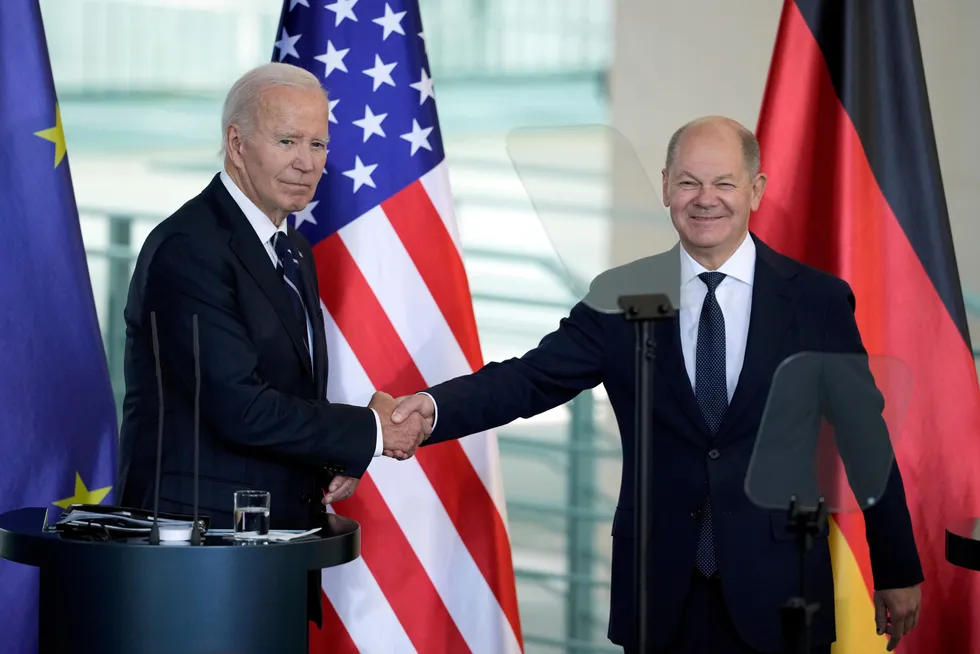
<point x="229" y="257"/>
<point x="720" y="566"/>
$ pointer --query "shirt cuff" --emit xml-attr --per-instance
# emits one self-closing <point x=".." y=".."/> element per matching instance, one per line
<point x="379" y="446"/>
<point x="435" y="409"/>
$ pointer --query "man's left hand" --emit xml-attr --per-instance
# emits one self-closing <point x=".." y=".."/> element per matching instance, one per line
<point x="897" y="612"/>
<point x="340" y="489"/>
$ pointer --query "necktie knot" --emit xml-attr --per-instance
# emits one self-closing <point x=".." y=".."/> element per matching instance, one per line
<point x="712" y="280"/>
<point x="284" y="250"/>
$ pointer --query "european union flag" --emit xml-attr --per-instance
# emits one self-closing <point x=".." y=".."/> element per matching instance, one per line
<point x="57" y="416"/>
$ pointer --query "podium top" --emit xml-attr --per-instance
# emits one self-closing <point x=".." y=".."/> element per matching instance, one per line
<point x="22" y="540"/>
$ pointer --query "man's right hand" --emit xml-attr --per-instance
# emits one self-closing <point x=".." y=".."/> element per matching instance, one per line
<point x="409" y="408"/>
<point x="400" y="439"/>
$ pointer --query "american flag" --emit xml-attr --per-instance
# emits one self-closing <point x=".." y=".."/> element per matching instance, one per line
<point x="435" y="573"/>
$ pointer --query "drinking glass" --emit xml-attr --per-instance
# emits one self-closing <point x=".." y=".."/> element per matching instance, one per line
<point x="252" y="513"/>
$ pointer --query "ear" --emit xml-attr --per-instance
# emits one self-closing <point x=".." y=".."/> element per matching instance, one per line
<point x="234" y="145"/>
<point x="663" y="190"/>
<point x="758" y="189"/>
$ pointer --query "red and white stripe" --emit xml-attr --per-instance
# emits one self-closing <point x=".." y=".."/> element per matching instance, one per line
<point x="435" y="573"/>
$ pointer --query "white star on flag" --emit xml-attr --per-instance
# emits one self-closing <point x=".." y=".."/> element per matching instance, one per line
<point x="306" y="215"/>
<point x="391" y="22"/>
<point x="287" y="45"/>
<point x="361" y="174"/>
<point x="331" y="117"/>
<point x="371" y="123"/>
<point x="424" y="87"/>
<point x="418" y="137"/>
<point x="293" y="3"/>
<point x="343" y="9"/>
<point x="381" y="73"/>
<point x="333" y="59"/>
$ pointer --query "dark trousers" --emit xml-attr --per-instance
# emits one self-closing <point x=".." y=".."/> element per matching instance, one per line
<point x="706" y="626"/>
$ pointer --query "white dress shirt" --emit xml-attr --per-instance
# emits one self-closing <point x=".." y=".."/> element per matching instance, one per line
<point x="265" y="229"/>
<point x="734" y="295"/>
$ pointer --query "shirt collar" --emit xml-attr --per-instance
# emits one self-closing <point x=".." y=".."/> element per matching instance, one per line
<point x="741" y="265"/>
<point x="264" y="228"/>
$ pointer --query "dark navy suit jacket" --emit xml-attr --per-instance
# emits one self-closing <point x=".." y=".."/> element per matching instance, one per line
<point x="264" y="422"/>
<point x="794" y="309"/>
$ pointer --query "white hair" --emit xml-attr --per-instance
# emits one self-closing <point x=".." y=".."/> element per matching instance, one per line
<point x="242" y="102"/>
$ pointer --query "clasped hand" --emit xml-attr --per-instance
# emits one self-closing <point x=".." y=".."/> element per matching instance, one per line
<point x="405" y="422"/>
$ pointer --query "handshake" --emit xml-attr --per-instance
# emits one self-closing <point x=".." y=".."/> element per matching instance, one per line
<point x="405" y="422"/>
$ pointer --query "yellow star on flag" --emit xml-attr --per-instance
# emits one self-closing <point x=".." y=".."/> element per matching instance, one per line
<point x="56" y="135"/>
<point x="83" y="495"/>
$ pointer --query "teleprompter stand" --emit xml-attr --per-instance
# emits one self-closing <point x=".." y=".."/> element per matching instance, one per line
<point x="643" y="310"/>
<point x="796" y="615"/>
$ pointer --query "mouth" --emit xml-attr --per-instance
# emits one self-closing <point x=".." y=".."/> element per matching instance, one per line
<point x="706" y="219"/>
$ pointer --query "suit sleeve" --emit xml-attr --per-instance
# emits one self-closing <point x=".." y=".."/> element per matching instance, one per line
<point x="565" y="362"/>
<point x="854" y="404"/>
<point x="239" y="405"/>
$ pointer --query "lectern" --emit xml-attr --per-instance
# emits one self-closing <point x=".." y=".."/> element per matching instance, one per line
<point x="963" y="543"/>
<point x="222" y="597"/>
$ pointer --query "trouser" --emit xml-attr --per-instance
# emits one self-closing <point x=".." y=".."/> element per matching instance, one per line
<point x="706" y="626"/>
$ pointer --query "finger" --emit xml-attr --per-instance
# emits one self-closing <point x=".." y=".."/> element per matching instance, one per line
<point x="335" y="483"/>
<point x="893" y="642"/>
<point x="909" y="622"/>
<point x="915" y="617"/>
<point x="340" y="494"/>
<point x="411" y="404"/>
<point x="881" y="615"/>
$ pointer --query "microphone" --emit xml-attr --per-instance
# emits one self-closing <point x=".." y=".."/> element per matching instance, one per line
<point x="196" y="530"/>
<point x="155" y="528"/>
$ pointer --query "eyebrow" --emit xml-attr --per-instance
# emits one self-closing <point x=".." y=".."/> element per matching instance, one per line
<point x="293" y="135"/>
<point x="716" y="179"/>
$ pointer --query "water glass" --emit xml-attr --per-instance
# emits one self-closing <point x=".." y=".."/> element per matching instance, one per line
<point x="252" y="513"/>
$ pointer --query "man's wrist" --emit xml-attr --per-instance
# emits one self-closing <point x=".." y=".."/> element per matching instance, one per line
<point x="379" y="439"/>
<point x="435" y="408"/>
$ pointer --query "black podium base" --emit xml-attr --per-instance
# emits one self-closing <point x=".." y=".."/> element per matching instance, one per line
<point x="128" y="597"/>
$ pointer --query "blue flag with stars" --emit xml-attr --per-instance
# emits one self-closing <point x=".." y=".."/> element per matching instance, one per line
<point x="57" y="415"/>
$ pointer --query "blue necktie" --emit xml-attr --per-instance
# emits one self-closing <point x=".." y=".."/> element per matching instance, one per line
<point x="292" y="277"/>
<point x="711" y="390"/>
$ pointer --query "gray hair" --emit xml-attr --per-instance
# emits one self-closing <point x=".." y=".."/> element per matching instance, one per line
<point x="242" y="102"/>
<point x="750" y="144"/>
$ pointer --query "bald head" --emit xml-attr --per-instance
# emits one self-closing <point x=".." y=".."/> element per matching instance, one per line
<point x="718" y="126"/>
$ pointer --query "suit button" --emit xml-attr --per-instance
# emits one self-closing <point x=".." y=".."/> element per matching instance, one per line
<point x="714" y="454"/>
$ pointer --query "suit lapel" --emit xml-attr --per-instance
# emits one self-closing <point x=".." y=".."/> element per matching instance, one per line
<point x="255" y="260"/>
<point x="774" y="300"/>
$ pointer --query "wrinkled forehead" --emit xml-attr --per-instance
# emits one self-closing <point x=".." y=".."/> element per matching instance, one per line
<point x="285" y="108"/>
<point x="710" y="155"/>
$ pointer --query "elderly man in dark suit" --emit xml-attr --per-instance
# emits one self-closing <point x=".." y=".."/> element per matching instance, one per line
<point x="229" y="257"/>
<point x="720" y="566"/>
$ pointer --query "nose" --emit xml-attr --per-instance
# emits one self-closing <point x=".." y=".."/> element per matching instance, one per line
<point x="707" y="197"/>
<point x="304" y="160"/>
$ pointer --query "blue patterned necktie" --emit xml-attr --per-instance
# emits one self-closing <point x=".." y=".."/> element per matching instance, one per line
<point x="711" y="389"/>
<point x="292" y="277"/>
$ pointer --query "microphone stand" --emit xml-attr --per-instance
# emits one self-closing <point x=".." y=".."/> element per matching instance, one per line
<point x="643" y="310"/>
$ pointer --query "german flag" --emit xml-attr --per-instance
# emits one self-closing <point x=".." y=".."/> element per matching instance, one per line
<point x="855" y="189"/>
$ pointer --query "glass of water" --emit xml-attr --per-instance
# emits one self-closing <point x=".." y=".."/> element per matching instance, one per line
<point x="252" y="514"/>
